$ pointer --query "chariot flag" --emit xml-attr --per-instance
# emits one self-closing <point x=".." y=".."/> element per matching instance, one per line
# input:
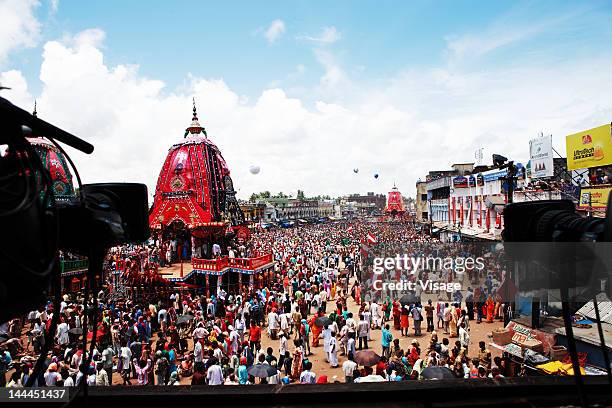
<point x="371" y="239"/>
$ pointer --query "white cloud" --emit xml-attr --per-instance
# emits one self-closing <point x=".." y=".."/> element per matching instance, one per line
<point x="18" y="26"/>
<point x="275" y="31"/>
<point x="93" y="37"/>
<point x="328" y="35"/>
<point x="506" y="31"/>
<point x="54" y="6"/>
<point x="400" y="127"/>
<point x="18" y="94"/>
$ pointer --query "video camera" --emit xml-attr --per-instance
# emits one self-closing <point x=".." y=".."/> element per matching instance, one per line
<point x="554" y="246"/>
<point x="34" y="227"/>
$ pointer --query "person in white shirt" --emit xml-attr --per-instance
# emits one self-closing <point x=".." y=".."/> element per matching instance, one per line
<point x="464" y="337"/>
<point x="333" y="352"/>
<point x="316" y="301"/>
<point x="273" y="324"/>
<point x="126" y="358"/>
<point x="351" y="324"/>
<point x="376" y="315"/>
<point x="350" y="345"/>
<point x="323" y="296"/>
<point x="233" y="337"/>
<point x="69" y="382"/>
<point x="197" y="352"/>
<point x="214" y="375"/>
<point x="326" y="338"/>
<point x="52" y="376"/>
<point x="200" y="332"/>
<point x="368" y="319"/>
<point x="282" y="347"/>
<point x="62" y="334"/>
<point x="217" y="353"/>
<point x="348" y="368"/>
<point x="284" y="322"/>
<point x="101" y="376"/>
<point x="307" y="376"/>
<point x="107" y="359"/>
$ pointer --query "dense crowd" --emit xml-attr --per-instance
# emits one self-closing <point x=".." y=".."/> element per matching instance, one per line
<point x="187" y="337"/>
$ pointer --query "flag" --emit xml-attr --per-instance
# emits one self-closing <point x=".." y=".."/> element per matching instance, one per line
<point x="371" y="239"/>
<point x="349" y="229"/>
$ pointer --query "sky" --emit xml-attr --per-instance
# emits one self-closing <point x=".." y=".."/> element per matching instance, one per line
<point x="309" y="90"/>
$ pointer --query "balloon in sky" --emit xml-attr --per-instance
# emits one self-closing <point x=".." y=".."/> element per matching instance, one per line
<point x="376" y="175"/>
<point x="254" y="169"/>
<point x="355" y="170"/>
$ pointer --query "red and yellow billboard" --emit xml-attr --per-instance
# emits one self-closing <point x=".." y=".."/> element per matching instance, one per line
<point x="594" y="198"/>
<point x="590" y="148"/>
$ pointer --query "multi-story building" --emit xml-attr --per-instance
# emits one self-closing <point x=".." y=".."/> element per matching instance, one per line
<point x="476" y="201"/>
<point x="253" y="211"/>
<point x="325" y="208"/>
<point x="369" y="203"/>
<point x="438" y="185"/>
<point x="276" y="208"/>
<point x="421" y="207"/>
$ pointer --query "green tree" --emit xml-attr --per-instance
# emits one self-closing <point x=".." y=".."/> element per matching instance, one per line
<point x="261" y="195"/>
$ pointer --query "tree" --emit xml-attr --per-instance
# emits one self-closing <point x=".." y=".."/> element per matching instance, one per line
<point x="261" y="195"/>
<point x="300" y="195"/>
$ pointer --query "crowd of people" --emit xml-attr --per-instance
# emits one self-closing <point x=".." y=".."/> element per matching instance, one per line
<point x="313" y="312"/>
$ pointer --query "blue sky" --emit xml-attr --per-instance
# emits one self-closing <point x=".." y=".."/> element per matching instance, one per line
<point x="378" y="38"/>
<point x="304" y="87"/>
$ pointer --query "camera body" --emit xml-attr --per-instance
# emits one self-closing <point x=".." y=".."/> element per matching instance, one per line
<point x="552" y="246"/>
<point x="109" y="214"/>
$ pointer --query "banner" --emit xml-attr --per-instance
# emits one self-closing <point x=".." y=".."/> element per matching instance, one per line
<point x="480" y="180"/>
<point x="472" y="181"/>
<point x="541" y="157"/>
<point x="594" y="198"/>
<point x="460" y="182"/>
<point x="590" y="148"/>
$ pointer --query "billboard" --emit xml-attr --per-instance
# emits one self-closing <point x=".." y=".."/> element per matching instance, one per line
<point x="541" y="157"/>
<point x="594" y="198"/>
<point x="590" y="148"/>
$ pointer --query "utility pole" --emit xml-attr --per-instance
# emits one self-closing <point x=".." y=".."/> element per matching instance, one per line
<point x="510" y="178"/>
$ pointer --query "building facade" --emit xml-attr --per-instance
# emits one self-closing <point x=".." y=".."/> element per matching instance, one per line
<point x="277" y="209"/>
<point x="475" y="203"/>
<point x="421" y="206"/>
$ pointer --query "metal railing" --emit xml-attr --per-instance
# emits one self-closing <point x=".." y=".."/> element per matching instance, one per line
<point x="73" y="265"/>
<point x="219" y="264"/>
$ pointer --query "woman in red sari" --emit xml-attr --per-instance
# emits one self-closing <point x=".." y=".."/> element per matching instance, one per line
<point x="404" y="322"/>
<point x="396" y="315"/>
<point x="490" y="305"/>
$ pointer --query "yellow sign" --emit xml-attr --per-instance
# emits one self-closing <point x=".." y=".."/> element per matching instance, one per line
<point x="594" y="198"/>
<point x="590" y="148"/>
